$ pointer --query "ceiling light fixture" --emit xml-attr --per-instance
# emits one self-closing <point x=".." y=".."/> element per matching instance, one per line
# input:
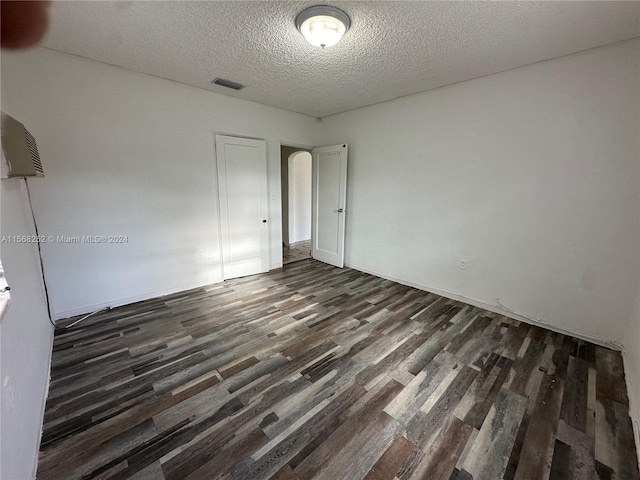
<point x="322" y="25"/>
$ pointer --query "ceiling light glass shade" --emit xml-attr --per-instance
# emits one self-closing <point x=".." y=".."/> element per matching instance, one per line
<point x="323" y="26"/>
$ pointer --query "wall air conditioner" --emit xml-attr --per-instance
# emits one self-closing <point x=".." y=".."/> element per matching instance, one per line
<point x="20" y="150"/>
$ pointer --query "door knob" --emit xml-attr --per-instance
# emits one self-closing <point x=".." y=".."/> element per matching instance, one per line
<point x="340" y="210"/>
<point x="264" y="221"/>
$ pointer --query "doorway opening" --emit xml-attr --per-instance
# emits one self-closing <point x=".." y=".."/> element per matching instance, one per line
<point x="296" y="203"/>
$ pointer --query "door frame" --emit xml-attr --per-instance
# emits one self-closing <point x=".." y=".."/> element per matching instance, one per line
<point x="217" y="193"/>
<point x="302" y="147"/>
<point x="317" y="253"/>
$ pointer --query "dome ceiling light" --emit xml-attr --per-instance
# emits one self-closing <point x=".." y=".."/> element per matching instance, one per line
<point x="322" y="25"/>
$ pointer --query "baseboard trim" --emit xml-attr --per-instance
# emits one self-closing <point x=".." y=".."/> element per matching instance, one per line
<point x="495" y="308"/>
<point x="634" y="403"/>
<point x="126" y="301"/>
<point x="492" y="308"/>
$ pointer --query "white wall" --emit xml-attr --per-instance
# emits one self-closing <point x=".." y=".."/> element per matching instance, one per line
<point x="25" y="341"/>
<point x="133" y="155"/>
<point x="531" y="175"/>
<point x="299" y="197"/>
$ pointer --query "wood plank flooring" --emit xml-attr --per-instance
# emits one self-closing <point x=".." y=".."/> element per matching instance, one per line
<point x="314" y="372"/>
<point x="295" y="252"/>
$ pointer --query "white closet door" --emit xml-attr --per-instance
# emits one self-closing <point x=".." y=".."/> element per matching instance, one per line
<point x="242" y="192"/>
<point x="329" y="203"/>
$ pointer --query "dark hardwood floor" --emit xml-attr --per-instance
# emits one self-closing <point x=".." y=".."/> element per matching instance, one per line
<point x="326" y="373"/>
<point x="296" y="252"/>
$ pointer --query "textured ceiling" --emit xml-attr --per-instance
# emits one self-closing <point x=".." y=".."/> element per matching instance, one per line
<point x="393" y="48"/>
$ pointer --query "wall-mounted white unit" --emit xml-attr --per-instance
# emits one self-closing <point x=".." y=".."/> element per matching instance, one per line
<point x="20" y="150"/>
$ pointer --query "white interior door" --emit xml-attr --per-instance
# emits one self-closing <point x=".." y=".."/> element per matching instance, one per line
<point x="243" y="200"/>
<point x="329" y="204"/>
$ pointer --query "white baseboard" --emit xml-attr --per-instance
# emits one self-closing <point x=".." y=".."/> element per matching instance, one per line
<point x="496" y="309"/>
<point x="634" y="403"/>
<point x="634" y="406"/>
<point x="126" y="301"/>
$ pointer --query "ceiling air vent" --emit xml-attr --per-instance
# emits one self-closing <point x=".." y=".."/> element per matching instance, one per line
<point x="20" y="150"/>
<point x="228" y="83"/>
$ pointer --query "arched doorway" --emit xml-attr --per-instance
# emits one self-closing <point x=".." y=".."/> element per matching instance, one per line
<point x="296" y="204"/>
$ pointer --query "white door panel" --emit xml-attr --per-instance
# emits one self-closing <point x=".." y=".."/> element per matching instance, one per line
<point x="329" y="203"/>
<point x="242" y="191"/>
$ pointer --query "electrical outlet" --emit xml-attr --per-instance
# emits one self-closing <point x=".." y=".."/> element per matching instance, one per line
<point x="463" y="264"/>
<point x="199" y="254"/>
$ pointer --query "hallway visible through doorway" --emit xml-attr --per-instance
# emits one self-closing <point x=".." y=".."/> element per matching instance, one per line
<point x="297" y="251"/>
<point x="296" y="203"/>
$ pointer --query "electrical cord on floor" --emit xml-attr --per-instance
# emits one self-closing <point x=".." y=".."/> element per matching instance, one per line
<point x="44" y="281"/>
<point x="105" y="309"/>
